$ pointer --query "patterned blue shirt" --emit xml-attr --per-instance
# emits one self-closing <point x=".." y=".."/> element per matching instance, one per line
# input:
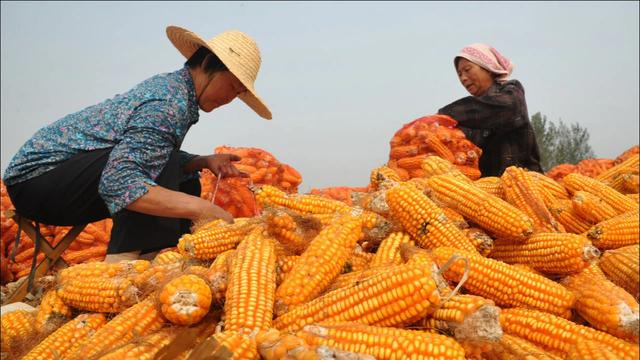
<point x="143" y="126"/>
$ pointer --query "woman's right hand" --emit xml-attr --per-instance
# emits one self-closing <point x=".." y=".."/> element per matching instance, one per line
<point x="213" y="212"/>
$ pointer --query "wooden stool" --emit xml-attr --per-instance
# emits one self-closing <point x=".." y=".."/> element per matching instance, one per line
<point x="52" y="254"/>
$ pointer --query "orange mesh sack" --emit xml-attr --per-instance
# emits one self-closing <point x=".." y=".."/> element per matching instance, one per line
<point x="594" y="167"/>
<point x="432" y="135"/>
<point x="233" y="194"/>
<point x="340" y="193"/>
<point x="560" y="171"/>
<point x="627" y="154"/>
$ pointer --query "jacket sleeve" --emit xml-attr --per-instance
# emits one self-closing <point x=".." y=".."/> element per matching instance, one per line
<point x="499" y="111"/>
<point x="140" y="156"/>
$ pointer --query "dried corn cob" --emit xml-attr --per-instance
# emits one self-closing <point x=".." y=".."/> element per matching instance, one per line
<point x="139" y="320"/>
<point x="17" y="326"/>
<point x="563" y="211"/>
<point x="252" y="284"/>
<point x="514" y="348"/>
<point x="207" y="244"/>
<point x="557" y="334"/>
<point x="294" y="232"/>
<point x="358" y="260"/>
<point x="273" y="345"/>
<point x="98" y="294"/>
<point x="480" y="240"/>
<point x="435" y="165"/>
<point x="521" y="192"/>
<point x="168" y="257"/>
<point x="320" y="263"/>
<point x="51" y="308"/>
<point x="411" y="163"/>
<point x="400" y="295"/>
<point x="144" y="348"/>
<point x="185" y="300"/>
<point x="620" y="203"/>
<point x="97" y="269"/>
<point x="505" y="284"/>
<point x="491" y="185"/>
<point x="156" y="276"/>
<point x="58" y="343"/>
<point x="388" y="251"/>
<point x="230" y="345"/>
<point x="616" y="232"/>
<point x="631" y="183"/>
<point x="381" y="176"/>
<point x="491" y="213"/>
<point x="550" y="186"/>
<point x="268" y="195"/>
<point x="631" y="165"/>
<point x="606" y="306"/>
<point x="382" y="342"/>
<point x="621" y="267"/>
<point x="423" y="220"/>
<point x="591" y="208"/>
<point x="634" y="197"/>
<point x="591" y="350"/>
<point x="284" y="264"/>
<point x="455" y="217"/>
<point x="354" y="277"/>
<point x="549" y="253"/>
<point x="218" y="275"/>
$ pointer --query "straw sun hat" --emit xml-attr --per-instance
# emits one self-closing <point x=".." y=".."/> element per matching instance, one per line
<point x="236" y="50"/>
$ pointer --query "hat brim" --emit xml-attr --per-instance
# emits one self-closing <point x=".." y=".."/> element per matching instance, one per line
<point x="188" y="42"/>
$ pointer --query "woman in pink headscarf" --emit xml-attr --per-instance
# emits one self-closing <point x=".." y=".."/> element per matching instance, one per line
<point x="495" y="116"/>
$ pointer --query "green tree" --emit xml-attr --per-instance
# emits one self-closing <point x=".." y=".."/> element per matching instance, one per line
<point x="560" y="143"/>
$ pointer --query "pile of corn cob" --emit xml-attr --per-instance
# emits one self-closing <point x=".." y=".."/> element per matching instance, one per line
<point x="437" y="267"/>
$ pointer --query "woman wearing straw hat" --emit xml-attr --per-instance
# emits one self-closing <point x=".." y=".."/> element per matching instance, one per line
<point x="121" y="158"/>
<point x="495" y="116"/>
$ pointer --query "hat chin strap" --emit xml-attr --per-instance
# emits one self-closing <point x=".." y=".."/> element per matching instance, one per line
<point x="204" y="88"/>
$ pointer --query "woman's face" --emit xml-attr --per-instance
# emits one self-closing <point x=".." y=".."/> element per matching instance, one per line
<point x="473" y="77"/>
<point x="220" y="90"/>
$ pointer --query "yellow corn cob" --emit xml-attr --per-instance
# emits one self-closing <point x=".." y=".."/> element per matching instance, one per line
<point x="284" y="264"/>
<point x="619" y="202"/>
<point x="506" y="285"/>
<point x="423" y="220"/>
<point x="480" y="240"/>
<point x="591" y="350"/>
<point x="218" y="275"/>
<point x="294" y="232"/>
<point x="354" y="277"/>
<point x="268" y="195"/>
<point x="382" y="342"/>
<point x="631" y="165"/>
<point x="139" y="320"/>
<point x="168" y="257"/>
<point x="252" y="284"/>
<point x="185" y="300"/>
<point x="58" y="343"/>
<point x="398" y="296"/>
<point x="102" y="269"/>
<point x="435" y="165"/>
<point x="98" y="294"/>
<point x="50" y="309"/>
<point x="455" y="217"/>
<point x="373" y="201"/>
<point x="491" y="185"/>
<point x="515" y="348"/>
<point x="557" y="334"/>
<point x="549" y="253"/>
<point x="591" y="208"/>
<point x="621" y="267"/>
<point x="144" y="348"/>
<point x="273" y="345"/>
<point x="231" y="345"/>
<point x="207" y="244"/>
<point x="381" y="176"/>
<point x="358" y="260"/>
<point x="563" y="211"/>
<point x="491" y="213"/>
<point x="156" y="276"/>
<point x="631" y="183"/>
<point x="550" y="186"/>
<point x="606" y="306"/>
<point x="388" y="251"/>
<point x="411" y="163"/>
<point x="320" y="263"/>
<point x="17" y="327"/>
<point x="521" y="192"/>
<point x="616" y="232"/>
<point x="634" y="197"/>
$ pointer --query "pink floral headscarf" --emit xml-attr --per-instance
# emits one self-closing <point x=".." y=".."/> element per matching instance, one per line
<point x="488" y="58"/>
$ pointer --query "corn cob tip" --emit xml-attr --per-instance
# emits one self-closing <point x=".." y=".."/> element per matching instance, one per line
<point x="590" y="253"/>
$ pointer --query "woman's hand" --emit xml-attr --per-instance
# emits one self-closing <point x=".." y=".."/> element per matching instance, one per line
<point x="213" y="212"/>
<point x="219" y="164"/>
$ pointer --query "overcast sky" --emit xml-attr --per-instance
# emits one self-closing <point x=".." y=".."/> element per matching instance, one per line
<point x="340" y="78"/>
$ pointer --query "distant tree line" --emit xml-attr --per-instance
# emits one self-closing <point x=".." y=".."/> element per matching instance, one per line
<point x="560" y="143"/>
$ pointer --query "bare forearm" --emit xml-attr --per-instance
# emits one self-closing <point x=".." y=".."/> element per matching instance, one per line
<point x="160" y="201"/>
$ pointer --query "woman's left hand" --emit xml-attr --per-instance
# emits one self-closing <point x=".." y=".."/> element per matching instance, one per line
<point x="220" y="165"/>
